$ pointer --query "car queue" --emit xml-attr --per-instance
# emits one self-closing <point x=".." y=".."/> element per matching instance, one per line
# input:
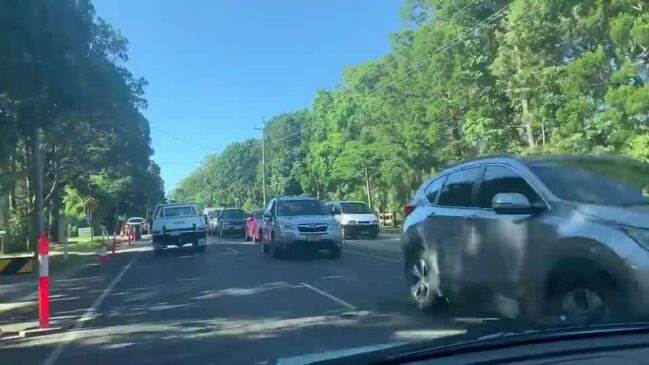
<point x="287" y="223"/>
<point x="529" y="236"/>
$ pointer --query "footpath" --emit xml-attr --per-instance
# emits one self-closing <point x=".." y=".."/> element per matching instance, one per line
<point x="74" y="283"/>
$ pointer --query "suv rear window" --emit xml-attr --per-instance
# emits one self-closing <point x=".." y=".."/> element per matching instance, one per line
<point x="432" y="190"/>
<point x="181" y="211"/>
<point x="459" y="187"/>
<point x="233" y="214"/>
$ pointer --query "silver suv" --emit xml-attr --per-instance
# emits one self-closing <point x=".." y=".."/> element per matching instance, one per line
<point x="299" y="223"/>
<point x="560" y="235"/>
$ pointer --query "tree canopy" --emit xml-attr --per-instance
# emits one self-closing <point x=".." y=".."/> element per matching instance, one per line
<point x="63" y="77"/>
<point x="464" y="78"/>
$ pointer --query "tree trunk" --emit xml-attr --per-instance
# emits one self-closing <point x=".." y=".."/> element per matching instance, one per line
<point x="55" y="215"/>
<point x="28" y="176"/>
<point x="527" y="123"/>
<point x="37" y="168"/>
<point x="367" y="188"/>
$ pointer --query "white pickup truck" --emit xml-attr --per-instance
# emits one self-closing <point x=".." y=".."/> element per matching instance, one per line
<point x="178" y="224"/>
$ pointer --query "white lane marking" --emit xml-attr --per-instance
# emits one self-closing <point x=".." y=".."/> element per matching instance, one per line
<point x="334" y="298"/>
<point x="240" y="242"/>
<point x="332" y="277"/>
<point x="373" y="256"/>
<point x="232" y="250"/>
<point x="90" y="312"/>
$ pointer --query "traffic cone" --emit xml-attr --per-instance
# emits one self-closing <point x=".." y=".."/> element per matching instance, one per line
<point x="103" y="254"/>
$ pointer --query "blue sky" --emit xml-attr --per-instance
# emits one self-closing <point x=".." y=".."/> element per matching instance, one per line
<point x="216" y="67"/>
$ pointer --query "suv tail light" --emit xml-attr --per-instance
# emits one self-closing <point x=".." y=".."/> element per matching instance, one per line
<point x="407" y="210"/>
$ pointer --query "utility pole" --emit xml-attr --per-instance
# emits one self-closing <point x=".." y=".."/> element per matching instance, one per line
<point x="367" y="187"/>
<point x="263" y="158"/>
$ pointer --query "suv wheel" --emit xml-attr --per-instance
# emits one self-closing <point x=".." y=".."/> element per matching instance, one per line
<point x="584" y="295"/>
<point x="334" y="253"/>
<point x="277" y="252"/>
<point x="422" y="278"/>
<point x="345" y="232"/>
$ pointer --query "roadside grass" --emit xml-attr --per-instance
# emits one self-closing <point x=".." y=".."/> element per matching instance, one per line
<point x="16" y="254"/>
<point x="77" y="244"/>
<point x="58" y="263"/>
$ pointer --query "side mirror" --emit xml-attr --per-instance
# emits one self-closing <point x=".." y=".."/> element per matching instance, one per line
<point x="268" y="216"/>
<point x="511" y="203"/>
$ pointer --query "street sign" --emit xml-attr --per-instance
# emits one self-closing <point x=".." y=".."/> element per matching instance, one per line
<point x="84" y="232"/>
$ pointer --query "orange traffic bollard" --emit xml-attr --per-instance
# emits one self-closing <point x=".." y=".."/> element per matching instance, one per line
<point x="103" y="257"/>
<point x="43" y="282"/>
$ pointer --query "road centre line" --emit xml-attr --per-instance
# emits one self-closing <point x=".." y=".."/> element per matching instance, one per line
<point x="373" y="256"/>
<point x="90" y="312"/>
<point x="332" y="297"/>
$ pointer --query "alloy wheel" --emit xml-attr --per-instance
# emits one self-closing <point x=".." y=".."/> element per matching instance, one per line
<point x="420" y="288"/>
<point x="582" y="301"/>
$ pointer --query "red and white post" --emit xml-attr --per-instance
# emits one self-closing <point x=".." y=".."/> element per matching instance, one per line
<point x="43" y="282"/>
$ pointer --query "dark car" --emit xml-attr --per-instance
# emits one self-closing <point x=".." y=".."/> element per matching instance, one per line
<point x="253" y="225"/>
<point x="559" y="235"/>
<point x="231" y="222"/>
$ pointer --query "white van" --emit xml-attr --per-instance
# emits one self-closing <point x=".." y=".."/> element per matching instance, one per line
<point x="356" y="218"/>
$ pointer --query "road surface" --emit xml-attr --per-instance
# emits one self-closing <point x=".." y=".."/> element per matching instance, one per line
<point x="230" y="304"/>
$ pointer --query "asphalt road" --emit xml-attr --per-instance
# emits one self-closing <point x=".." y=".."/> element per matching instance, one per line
<point x="230" y="304"/>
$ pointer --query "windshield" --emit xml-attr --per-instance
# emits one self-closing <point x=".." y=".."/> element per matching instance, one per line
<point x="233" y="214"/>
<point x="483" y="162"/>
<point x="606" y="182"/>
<point x="300" y="207"/>
<point x="355" y="208"/>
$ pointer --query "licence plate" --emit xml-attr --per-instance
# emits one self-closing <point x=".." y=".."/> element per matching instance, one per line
<point x="174" y="233"/>
<point x="365" y="232"/>
<point x="312" y="238"/>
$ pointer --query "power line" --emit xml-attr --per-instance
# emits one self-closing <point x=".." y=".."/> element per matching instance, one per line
<point x="179" y="163"/>
<point x="183" y="139"/>
<point x="285" y="137"/>
<point x="461" y="37"/>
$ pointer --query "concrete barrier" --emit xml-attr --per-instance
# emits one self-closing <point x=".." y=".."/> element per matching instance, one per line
<point x="16" y="265"/>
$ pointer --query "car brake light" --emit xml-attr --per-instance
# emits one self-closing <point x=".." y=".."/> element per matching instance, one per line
<point x="407" y="210"/>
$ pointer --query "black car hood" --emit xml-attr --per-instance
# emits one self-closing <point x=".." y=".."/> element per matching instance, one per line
<point x="332" y="355"/>
<point x="472" y="341"/>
